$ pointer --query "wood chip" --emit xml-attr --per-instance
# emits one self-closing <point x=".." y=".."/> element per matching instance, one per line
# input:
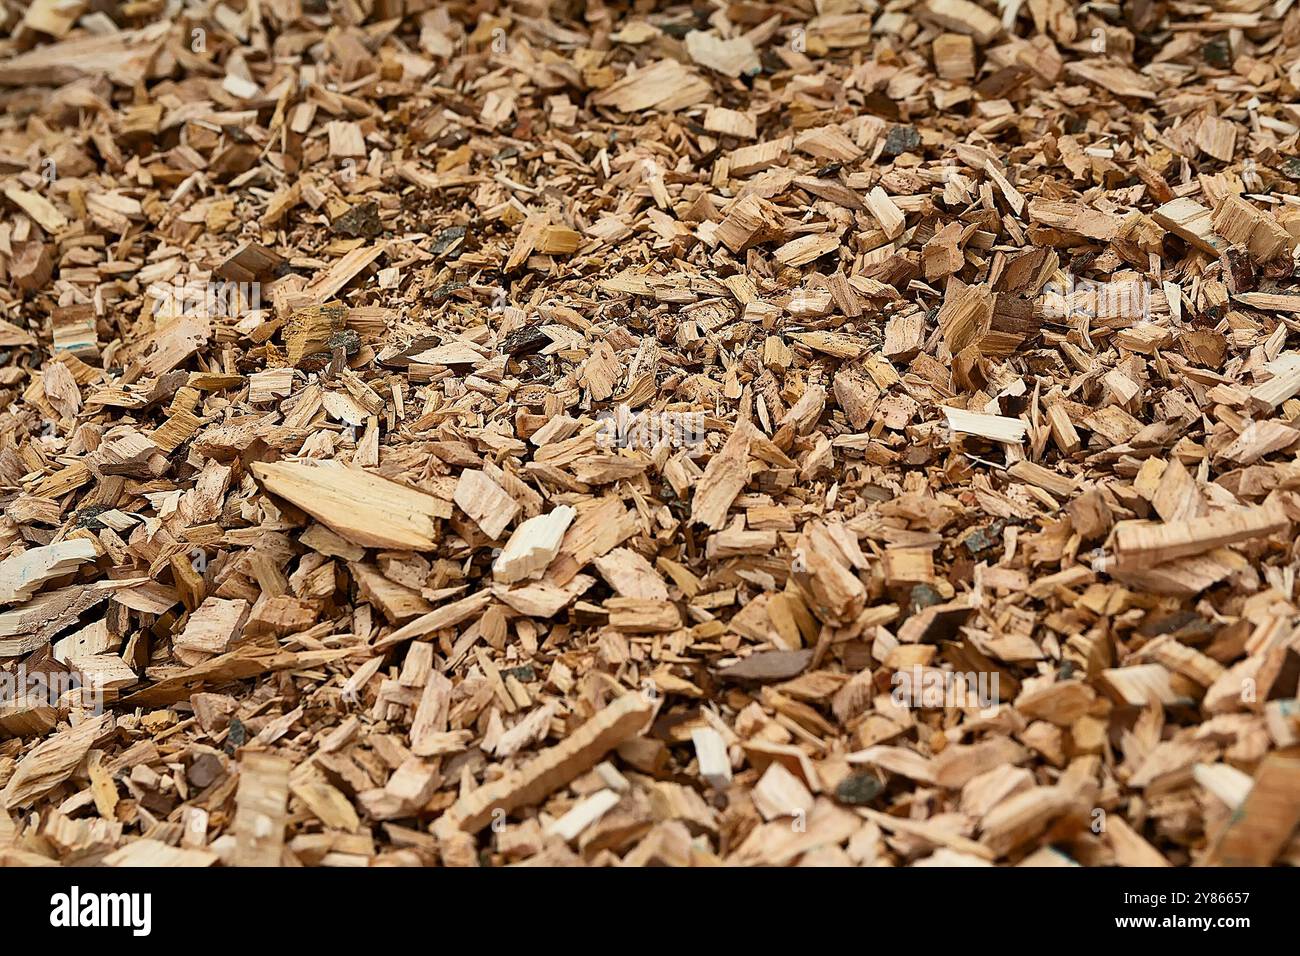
<point x="616" y="435"/>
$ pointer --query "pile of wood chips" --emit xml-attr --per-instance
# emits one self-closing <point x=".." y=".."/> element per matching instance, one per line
<point x="815" y="433"/>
